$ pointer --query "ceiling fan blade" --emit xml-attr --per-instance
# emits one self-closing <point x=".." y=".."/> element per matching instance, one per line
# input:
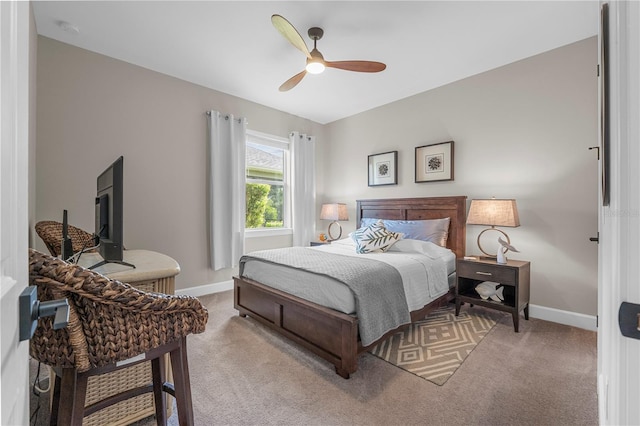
<point x="360" y="66"/>
<point x="290" y="33"/>
<point x="291" y="83"/>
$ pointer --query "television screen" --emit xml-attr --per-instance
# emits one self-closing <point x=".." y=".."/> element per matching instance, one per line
<point x="109" y="214"/>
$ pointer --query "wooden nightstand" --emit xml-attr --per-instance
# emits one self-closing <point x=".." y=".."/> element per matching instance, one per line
<point x="319" y="243"/>
<point x="513" y="276"/>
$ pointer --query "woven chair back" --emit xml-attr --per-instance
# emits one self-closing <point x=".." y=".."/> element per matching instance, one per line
<point x="51" y="233"/>
<point x="109" y="321"/>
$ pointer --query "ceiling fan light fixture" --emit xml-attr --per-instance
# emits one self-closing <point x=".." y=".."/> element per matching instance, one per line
<point x="315" y="61"/>
<point x="315" y="67"/>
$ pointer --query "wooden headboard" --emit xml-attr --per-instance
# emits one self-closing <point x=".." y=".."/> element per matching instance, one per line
<point x="454" y="208"/>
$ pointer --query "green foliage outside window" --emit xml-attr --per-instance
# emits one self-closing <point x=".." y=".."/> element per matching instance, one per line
<point x="264" y="206"/>
<point x="257" y="200"/>
<point x="273" y="214"/>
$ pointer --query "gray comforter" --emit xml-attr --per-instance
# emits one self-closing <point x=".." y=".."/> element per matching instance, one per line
<point x="377" y="287"/>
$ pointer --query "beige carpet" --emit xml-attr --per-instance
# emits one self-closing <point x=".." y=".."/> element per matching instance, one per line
<point x="435" y="347"/>
<point x="244" y="374"/>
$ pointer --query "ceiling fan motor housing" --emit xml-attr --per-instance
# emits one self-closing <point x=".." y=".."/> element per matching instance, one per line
<point x="315" y="33"/>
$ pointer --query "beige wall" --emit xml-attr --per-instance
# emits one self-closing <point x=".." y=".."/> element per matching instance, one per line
<point x="92" y="109"/>
<point x="521" y="131"/>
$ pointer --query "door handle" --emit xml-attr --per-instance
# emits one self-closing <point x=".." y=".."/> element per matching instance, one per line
<point x="595" y="239"/>
<point x="31" y="309"/>
<point x="629" y="319"/>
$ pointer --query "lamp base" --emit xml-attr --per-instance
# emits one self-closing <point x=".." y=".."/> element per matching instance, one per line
<point x="331" y="237"/>
<point x="491" y="256"/>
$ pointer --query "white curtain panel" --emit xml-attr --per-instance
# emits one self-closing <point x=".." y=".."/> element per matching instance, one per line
<point x="303" y="188"/>
<point x="226" y="186"/>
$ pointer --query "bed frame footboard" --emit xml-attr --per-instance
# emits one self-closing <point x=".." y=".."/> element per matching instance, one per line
<point x="329" y="334"/>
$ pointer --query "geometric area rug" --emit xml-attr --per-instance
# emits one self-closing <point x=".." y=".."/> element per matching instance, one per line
<point x="435" y="347"/>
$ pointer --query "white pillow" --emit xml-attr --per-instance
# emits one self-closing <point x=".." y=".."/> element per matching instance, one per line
<point x="348" y="241"/>
<point x="427" y="248"/>
<point x="374" y="238"/>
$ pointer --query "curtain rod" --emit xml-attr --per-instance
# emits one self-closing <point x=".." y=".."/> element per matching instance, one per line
<point x="226" y="116"/>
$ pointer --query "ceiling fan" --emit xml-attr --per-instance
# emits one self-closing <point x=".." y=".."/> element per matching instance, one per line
<point x="315" y="61"/>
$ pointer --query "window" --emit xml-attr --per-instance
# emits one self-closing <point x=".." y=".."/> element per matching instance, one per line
<point x="267" y="192"/>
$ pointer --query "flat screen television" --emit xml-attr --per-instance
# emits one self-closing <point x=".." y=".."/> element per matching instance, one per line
<point x="109" y="214"/>
<point x="66" y="246"/>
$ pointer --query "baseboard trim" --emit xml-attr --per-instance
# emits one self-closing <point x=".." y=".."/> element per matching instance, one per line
<point x="203" y="290"/>
<point x="588" y="322"/>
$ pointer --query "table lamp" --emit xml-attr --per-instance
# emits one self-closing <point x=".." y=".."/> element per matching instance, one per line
<point x="334" y="212"/>
<point x="493" y="212"/>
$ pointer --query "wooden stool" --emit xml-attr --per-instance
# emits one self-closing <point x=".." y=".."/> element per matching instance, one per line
<point x="68" y="407"/>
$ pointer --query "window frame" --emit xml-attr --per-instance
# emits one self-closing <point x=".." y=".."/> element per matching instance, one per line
<point x="284" y="144"/>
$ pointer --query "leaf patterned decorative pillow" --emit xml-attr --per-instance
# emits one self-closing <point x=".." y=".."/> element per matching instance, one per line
<point x="375" y="237"/>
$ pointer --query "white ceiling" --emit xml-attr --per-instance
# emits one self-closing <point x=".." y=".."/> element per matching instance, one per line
<point x="232" y="47"/>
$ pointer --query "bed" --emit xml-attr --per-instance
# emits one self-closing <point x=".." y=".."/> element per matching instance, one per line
<point x="329" y="333"/>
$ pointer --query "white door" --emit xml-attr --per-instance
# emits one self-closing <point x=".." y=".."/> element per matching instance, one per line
<point x="14" y="119"/>
<point x="619" y="250"/>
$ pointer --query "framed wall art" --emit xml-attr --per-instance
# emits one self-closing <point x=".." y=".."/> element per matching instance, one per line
<point x="383" y="169"/>
<point x="434" y="162"/>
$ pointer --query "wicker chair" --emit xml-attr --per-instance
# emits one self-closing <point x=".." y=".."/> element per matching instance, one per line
<point x="110" y="322"/>
<point x="51" y="233"/>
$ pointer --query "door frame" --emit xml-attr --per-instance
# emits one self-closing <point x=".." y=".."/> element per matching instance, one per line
<point x="15" y="45"/>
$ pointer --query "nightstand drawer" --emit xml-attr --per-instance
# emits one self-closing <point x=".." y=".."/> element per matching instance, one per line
<point x="479" y="271"/>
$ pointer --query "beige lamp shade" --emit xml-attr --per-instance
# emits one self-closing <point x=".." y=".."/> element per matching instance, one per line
<point x="493" y="212"/>
<point x="335" y="211"/>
